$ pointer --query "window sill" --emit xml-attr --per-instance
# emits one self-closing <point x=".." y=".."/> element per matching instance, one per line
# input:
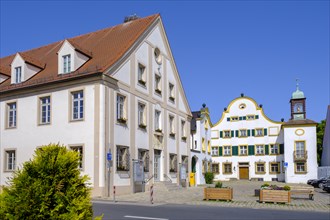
<point x="274" y="172"/>
<point x="76" y="120"/>
<point x="9" y="128"/>
<point x="122" y="120"/>
<point x="304" y="172"/>
<point x="172" y="99"/>
<point x="227" y="173"/>
<point x="184" y="138"/>
<point x="158" y="92"/>
<point x="143" y="126"/>
<point x="142" y="83"/>
<point x="262" y="173"/>
<point x="259" y="154"/>
<point x="9" y="171"/>
<point x="44" y="124"/>
<point x="172" y="135"/>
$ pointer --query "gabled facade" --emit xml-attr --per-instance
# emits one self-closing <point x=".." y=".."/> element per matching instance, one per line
<point x="246" y="144"/>
<point x="200" y="139"/>
<point x="110" y="91"/>
<point x="325" y="160"/>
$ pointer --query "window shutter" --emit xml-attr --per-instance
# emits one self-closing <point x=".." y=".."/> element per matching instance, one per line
<point x="244" y="117"/>
<point x="228" y="119"/>
<point x="281" y="148"/>
<point x="265" y="131"/>
<point x="248" y="133"/>
<point x="232" y="133"/>
<point x="221" y="134"/>
<point x="266" y="149"/>
<point x="240" y="118"/>
<point x="253" y="132"/>
<point x="257" y="117"/>
<point x="251" y="150"/>
<point x="236" y="133"/>
<point x="220" y="151"/>
<point x="235" y="150"/>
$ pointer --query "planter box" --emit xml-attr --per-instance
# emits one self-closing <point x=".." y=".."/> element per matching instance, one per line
<point x="218" y="193"/>
<point x="275" y="196"/>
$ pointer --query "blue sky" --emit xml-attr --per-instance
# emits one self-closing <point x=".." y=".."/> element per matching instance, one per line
<point x="221" y="48"/>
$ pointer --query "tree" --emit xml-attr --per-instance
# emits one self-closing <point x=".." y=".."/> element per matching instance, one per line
<point x="320" y="133"/>
<point x="48" y="187"/>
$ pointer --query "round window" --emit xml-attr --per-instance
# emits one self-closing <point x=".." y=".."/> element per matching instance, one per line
<point x="242" y="106"/>
<point x="158" y="56"/>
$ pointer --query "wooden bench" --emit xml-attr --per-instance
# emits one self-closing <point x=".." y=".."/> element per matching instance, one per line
<point x="301" y="190"/>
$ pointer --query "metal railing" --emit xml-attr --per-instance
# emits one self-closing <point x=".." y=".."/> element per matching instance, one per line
<point x="168" y="178"/>
<point x="148" y="179"/>
<point x="300" y="155"/>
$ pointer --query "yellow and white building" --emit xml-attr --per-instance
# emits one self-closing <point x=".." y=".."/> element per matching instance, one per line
<point x="246" y="144"/>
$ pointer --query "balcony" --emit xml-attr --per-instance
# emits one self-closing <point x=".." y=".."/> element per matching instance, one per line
<point x="299" y="155"/>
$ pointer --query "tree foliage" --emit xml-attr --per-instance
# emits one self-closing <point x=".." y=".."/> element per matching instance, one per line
<point x="209" y="176"/>
<point x="47" y="187"/>
<point x="320" y="133"/>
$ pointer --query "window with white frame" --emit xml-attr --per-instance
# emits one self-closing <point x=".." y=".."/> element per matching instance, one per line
<point x="171" y="123"/>
<point x="123" y="158"/>
<point x="66" y="63"/>
<point x="243" y="150"/>
<point x="227" y="168"/>
<point x="77" y="105"/>
<point x="243" y="133"/>
<point x="226" y="150"/>
<point x="144" y="156"/>
<point x="173" y="163"/>
<point x="10" y="160"/>
<point x="259" y="132"/>
<point x="274" y="167"/>
<point x="260" y="167"/>
<point x="158" y="84"/>
<point x="80" y="151"/>
<point x="142" y="74"/>
<point x="300" y="149"/>
<point x="44" y="110"/>
<point x="121" y="108"/>
<point x="157" y="121"/>
<point x="12" y="115"/>
<point x="18" y="74"/>
<point x="183" y="129"/>
<point x="260" y="149"/>
<point x="215" y="151"/>
<point x="250" y="117"/>
<point x="300" y="167"/>
<point x="171" y="92"/>
<point x="142" y="115"/>
<point x="226" y="134"/>
<point x="215" y="167"/>
<point x="274" y="149"/>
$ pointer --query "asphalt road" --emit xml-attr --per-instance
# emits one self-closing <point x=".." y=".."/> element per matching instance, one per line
<point x="170" y="212"/>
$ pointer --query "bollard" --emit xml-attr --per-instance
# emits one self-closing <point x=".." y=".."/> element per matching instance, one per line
<point x="152" y="194"/>
<point x="114" y="193"/>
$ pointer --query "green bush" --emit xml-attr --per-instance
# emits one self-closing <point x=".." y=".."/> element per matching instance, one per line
<point x="209" y="177"/>
<point x="47" y="187"/>
<point x="287" y="188"/>
<point x="264" y="185"/>
<point x="218" y="185"/>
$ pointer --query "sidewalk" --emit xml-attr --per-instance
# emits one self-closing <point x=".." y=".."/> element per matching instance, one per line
<point x="243" y="197"/>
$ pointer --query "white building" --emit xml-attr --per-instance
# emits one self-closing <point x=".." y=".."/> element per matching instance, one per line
<point x="246" y="144"/>
<point x="114" y="90"/>
<point x="200" y="148"/>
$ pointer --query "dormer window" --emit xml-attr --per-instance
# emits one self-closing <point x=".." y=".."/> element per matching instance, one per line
<point x="18" y="74"/>
<point x="67" y="63"/>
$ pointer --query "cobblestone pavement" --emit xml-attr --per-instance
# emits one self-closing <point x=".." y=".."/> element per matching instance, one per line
<point x="243" y="197"/>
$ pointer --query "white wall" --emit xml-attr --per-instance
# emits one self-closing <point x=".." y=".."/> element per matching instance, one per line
<point x="28" y="135"/>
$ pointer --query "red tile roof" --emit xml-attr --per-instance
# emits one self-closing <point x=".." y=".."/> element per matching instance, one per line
<point x="104" y="47"/>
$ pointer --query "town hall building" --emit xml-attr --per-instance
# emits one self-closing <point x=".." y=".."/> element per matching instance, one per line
<point x="246" y="144"/>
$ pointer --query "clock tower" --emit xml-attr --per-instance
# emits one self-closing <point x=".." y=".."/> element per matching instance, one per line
<point x="298" y="105"/>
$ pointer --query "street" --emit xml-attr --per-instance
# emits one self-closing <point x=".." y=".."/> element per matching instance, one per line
<point x="168" y="212"/>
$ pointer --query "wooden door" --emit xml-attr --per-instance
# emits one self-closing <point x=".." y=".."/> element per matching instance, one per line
<point x="244" y="173"/>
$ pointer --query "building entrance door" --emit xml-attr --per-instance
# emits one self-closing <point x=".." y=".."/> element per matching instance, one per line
<point x="244" y="173"/>
<point x="157" y="165"/>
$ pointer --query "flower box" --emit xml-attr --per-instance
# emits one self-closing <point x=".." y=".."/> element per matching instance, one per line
<point x="275" y="196"/>
<point x="218" y="193"/>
